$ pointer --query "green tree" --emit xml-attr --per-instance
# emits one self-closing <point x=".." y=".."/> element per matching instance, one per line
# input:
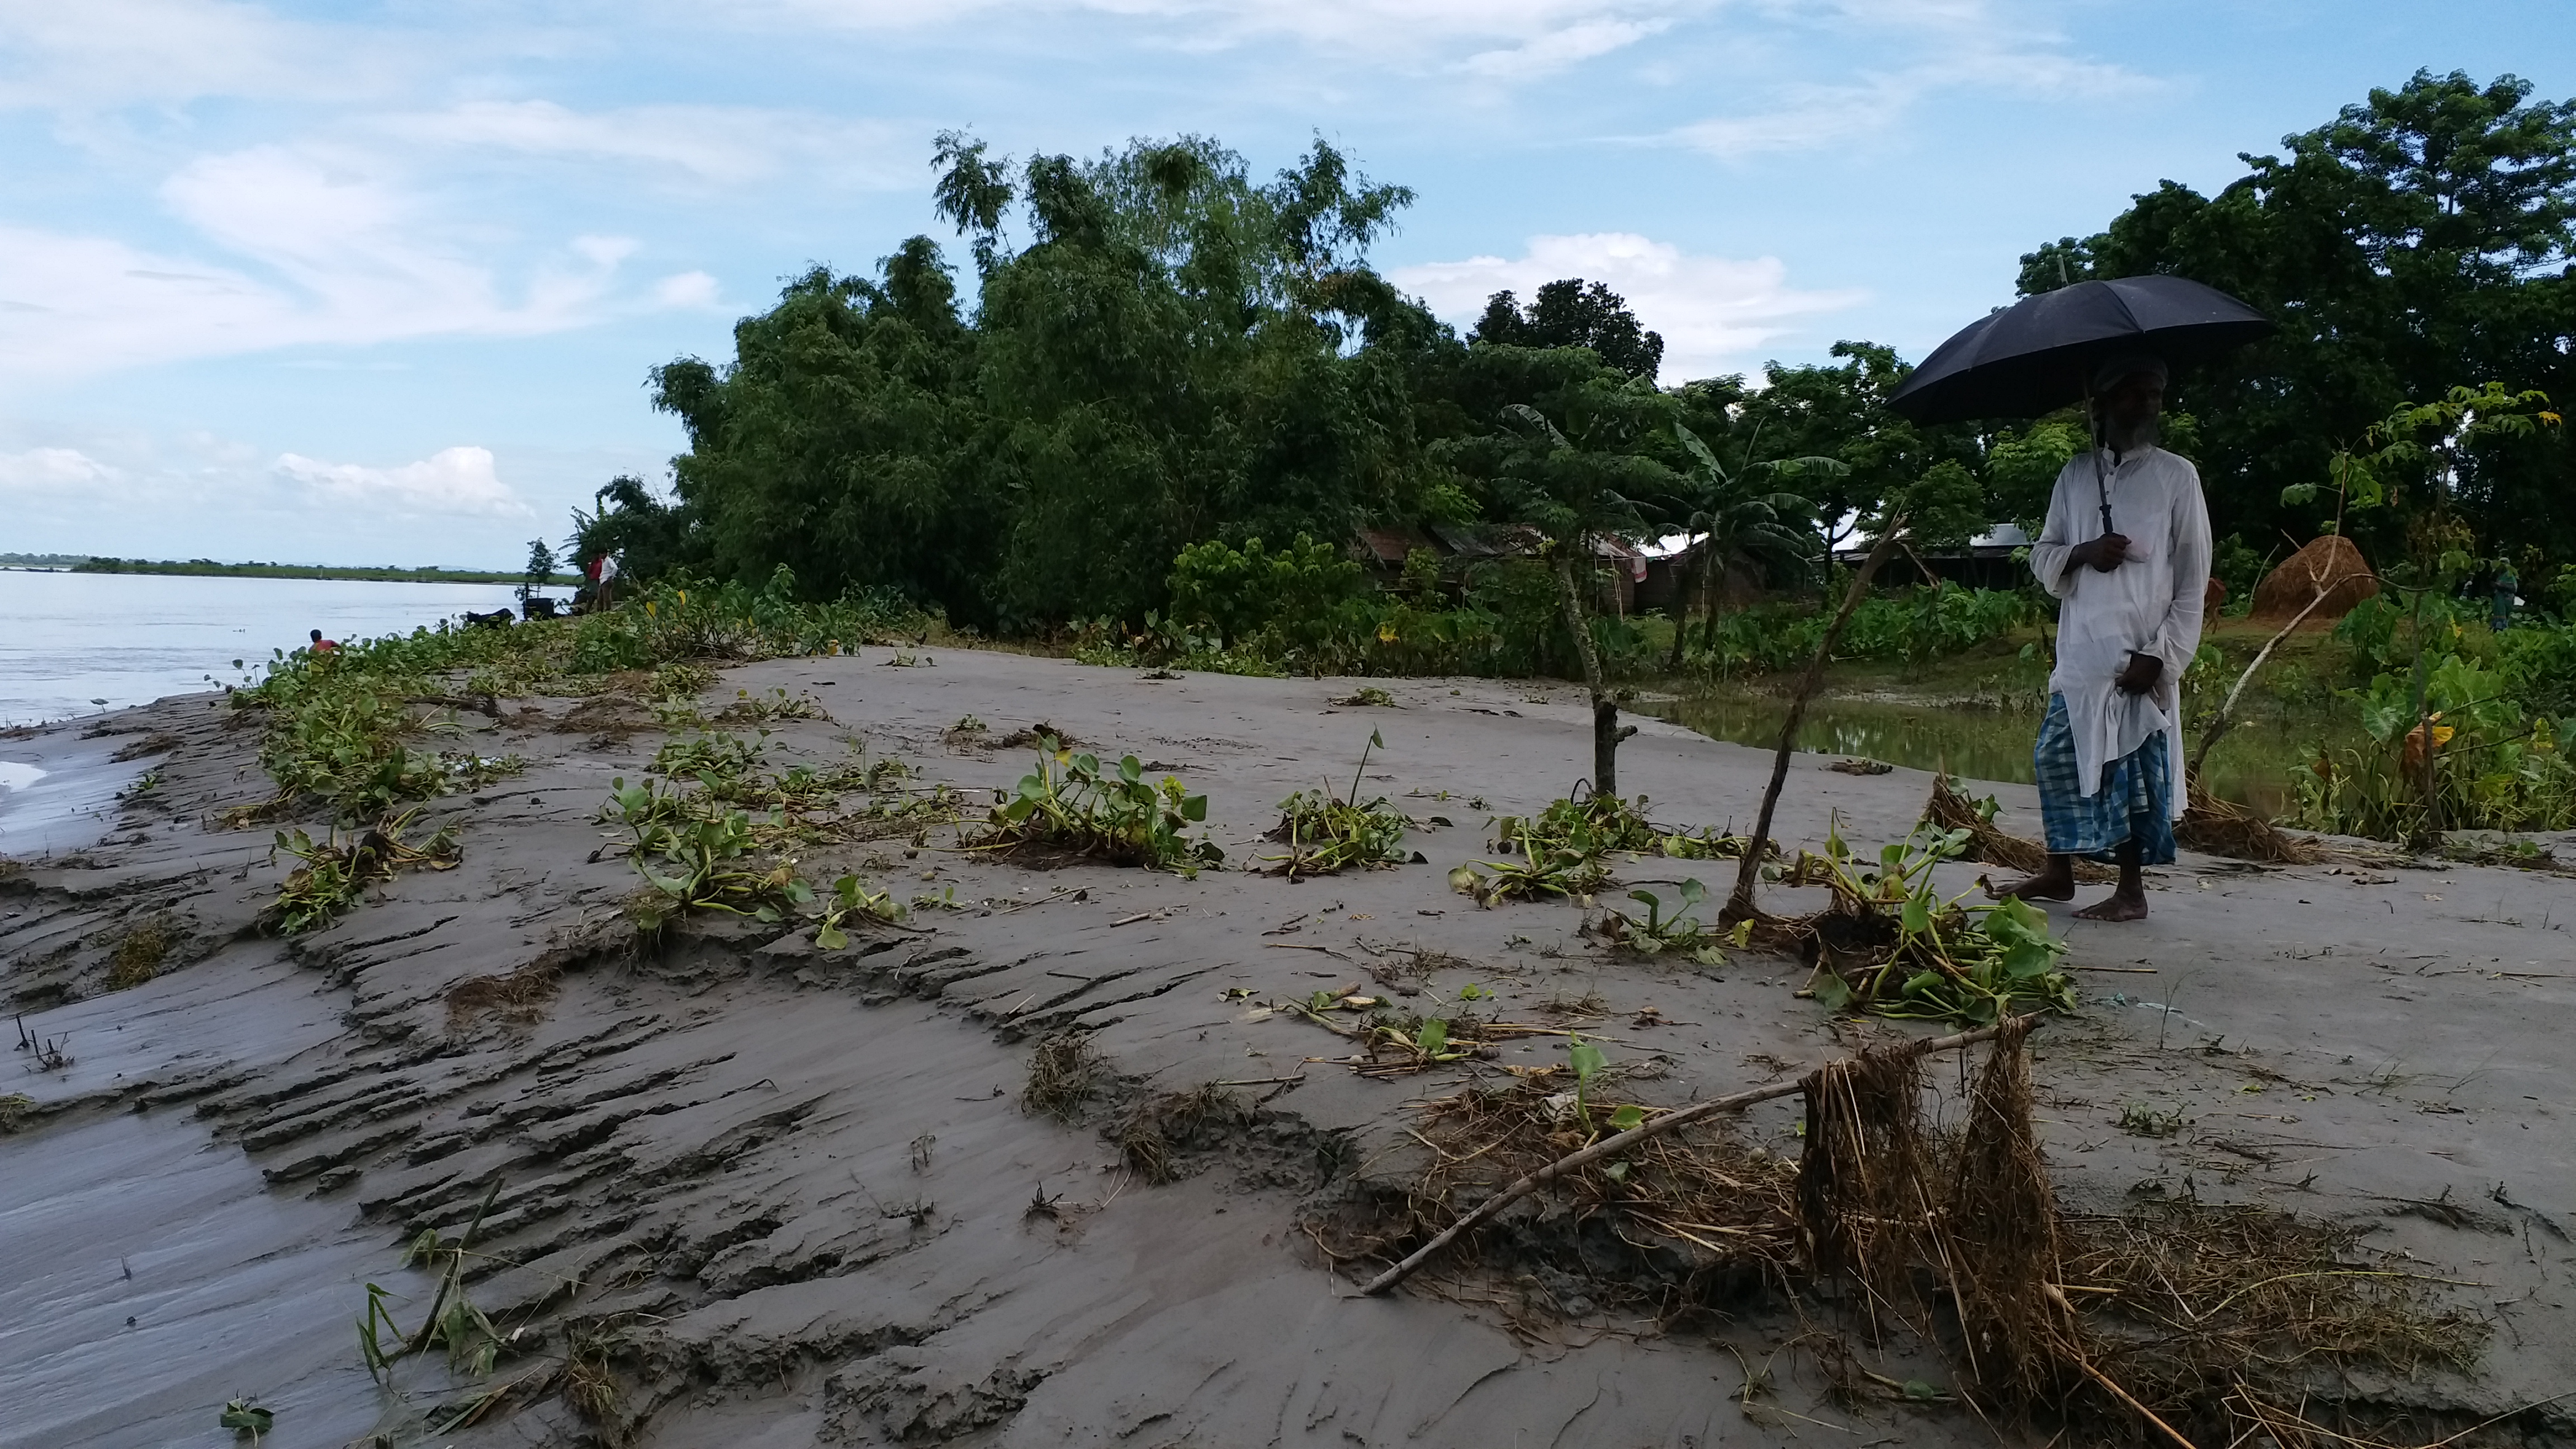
<point x="1730" y="516"/>
<point x="1570" y="313"/>
<point x="2420" y="241"/>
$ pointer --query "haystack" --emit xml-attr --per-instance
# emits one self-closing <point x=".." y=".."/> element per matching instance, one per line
<point x="2331" y="561"/>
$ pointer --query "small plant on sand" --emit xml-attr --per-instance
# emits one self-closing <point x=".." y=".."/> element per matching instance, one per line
<point x="714" y="759"/>
<point x="777" y="704"/>
<point x="701" y="866"/>
<point x="244" y="1416"/>
<point x="335" y="874"/>
<point x="453" y="1323"/>
<point x="852" y="901"/>
<point x="1073" y="806"/>
<point x="1890" y="944"/>
<point x="1681" y="932"/>
<point x="1325" y="834"/>
<point x="1367" y="696"/>
<point x="14" y="1107"/>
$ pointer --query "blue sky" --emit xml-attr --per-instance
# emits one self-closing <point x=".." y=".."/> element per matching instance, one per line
<point x="380" y="283"/>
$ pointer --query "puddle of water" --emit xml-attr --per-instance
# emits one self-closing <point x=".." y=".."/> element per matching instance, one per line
<point x="15" y="776"/>
<point x="2251" y="766"/>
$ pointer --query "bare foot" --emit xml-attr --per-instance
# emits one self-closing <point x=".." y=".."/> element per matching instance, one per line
<point x="2117" y="906"/>
<point x="2048" y="885"/>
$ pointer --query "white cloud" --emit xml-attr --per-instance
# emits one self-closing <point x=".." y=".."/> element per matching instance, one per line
<point x="1712" y="311"/>
<point x="449" y="481"/>
<point x="720" y="145"/>
<point x="92" y="55"/>
<point x="327" y="246"/>
<point x="1947" y="45"/>
<point x="1555" y="32"/>
<point x="52" y="470"/>
<point x="1557" y="49"/>
<point x="693" y="291"/>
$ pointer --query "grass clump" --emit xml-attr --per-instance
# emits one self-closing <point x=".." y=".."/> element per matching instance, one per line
<point x="1065" y="1071"/>
<point x="139" y="954"/>
<point x="1072" y="807"/>
<point x="14" y="1110"/>
<point x="1158" y="1129"/>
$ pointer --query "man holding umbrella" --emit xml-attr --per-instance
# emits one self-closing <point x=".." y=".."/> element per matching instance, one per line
<point x="2109" y="759"/>
<point x="2126" y="550"/>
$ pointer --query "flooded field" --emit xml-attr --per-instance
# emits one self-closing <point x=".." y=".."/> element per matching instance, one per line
<point x="2252" y="766"/>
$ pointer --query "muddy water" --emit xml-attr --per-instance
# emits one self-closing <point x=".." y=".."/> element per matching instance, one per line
<point x="2252" y="766"/>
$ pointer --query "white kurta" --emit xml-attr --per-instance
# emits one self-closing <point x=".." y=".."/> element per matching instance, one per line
<point x="2151" y="603"/>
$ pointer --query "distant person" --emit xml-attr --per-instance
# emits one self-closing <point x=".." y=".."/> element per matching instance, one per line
<point x="2109" y="756"/>
<point x="324" y="646"/>
<point x="2500" y="615"/>
<point x="603" y="572"/>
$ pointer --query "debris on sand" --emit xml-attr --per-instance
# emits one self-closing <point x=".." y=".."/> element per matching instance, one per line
<point x="2207" y="1316"/>
<point x="2222" y="827"/>
<point x="1949" y="809"/>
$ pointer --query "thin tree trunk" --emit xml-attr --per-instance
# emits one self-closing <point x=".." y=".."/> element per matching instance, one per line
<point x="2222" y="721"/>
<point x="1739" y="906"/>
<point x="1605" y="713"/>
<point x="1686" y="581"/>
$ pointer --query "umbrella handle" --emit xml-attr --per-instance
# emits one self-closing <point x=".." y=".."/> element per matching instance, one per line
<point x="2101" y="476"/>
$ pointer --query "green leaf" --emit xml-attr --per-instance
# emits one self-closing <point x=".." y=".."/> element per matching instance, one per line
<point x="1432" y="1038"/>
<point x="1194" y="808"/>
<point x="831" y="938"/>
<point x="1916" y="919"/>
<point x="1585" y="1058"/>
<point x="1628" y="1118"/>
<point x="1832" y="992"/>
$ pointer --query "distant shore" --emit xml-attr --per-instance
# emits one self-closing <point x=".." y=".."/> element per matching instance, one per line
<point x="208" y="568"/>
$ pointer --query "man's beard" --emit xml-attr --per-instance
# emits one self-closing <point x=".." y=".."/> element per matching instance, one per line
<point x="2129" y="435"/>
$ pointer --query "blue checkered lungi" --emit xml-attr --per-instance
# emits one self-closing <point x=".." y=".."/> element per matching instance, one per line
<point x="2134" y="803"/>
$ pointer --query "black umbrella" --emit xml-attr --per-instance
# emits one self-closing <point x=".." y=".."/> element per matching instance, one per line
<point x="2038" y="355"/>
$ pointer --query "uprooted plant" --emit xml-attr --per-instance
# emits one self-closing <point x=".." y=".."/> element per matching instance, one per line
<point x="453" y="1322"/>
<point x="1890" y="943"/>
<point x="701" y="865"/>
<point x="1679" y="931"/>
<point x="1071" y="806"/>
<point x="1565" y="849"/>
<point x="1326" y="833"/>
<point x="2214" y="1318"/>
<point x="335" y="873"/>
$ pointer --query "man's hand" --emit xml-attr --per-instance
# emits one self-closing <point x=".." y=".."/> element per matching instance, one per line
<point x="2105" y="553"/>
<point x="2141" y="675"/>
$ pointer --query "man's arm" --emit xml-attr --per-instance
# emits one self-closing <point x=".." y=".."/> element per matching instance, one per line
<point x="2178" y="638"/>
<point x="2051" y="557"/>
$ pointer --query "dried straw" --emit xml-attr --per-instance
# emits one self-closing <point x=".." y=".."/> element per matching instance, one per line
<point x="2222" y="827"/>
<point x="1951" y="810"/>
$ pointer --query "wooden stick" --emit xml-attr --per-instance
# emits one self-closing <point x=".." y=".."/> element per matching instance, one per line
<point x="1739" y="906"/>
<point x="1621" y="1142"/>
<point x="2220" y="722"/>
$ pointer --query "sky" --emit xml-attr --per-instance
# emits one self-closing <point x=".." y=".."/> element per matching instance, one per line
<point x="382" y="283"/>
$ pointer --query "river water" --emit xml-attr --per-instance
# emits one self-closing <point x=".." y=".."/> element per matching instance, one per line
<point x="2252" y="766"/>
<point x="73" y="644"/>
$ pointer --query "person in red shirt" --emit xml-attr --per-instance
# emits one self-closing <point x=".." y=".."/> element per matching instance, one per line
<point x="324" y="646"/>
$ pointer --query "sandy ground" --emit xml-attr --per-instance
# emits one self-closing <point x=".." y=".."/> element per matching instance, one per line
<point x="806" y="1179"/>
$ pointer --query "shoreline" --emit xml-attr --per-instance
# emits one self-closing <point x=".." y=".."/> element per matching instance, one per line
<point x="803" y="1181"/>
